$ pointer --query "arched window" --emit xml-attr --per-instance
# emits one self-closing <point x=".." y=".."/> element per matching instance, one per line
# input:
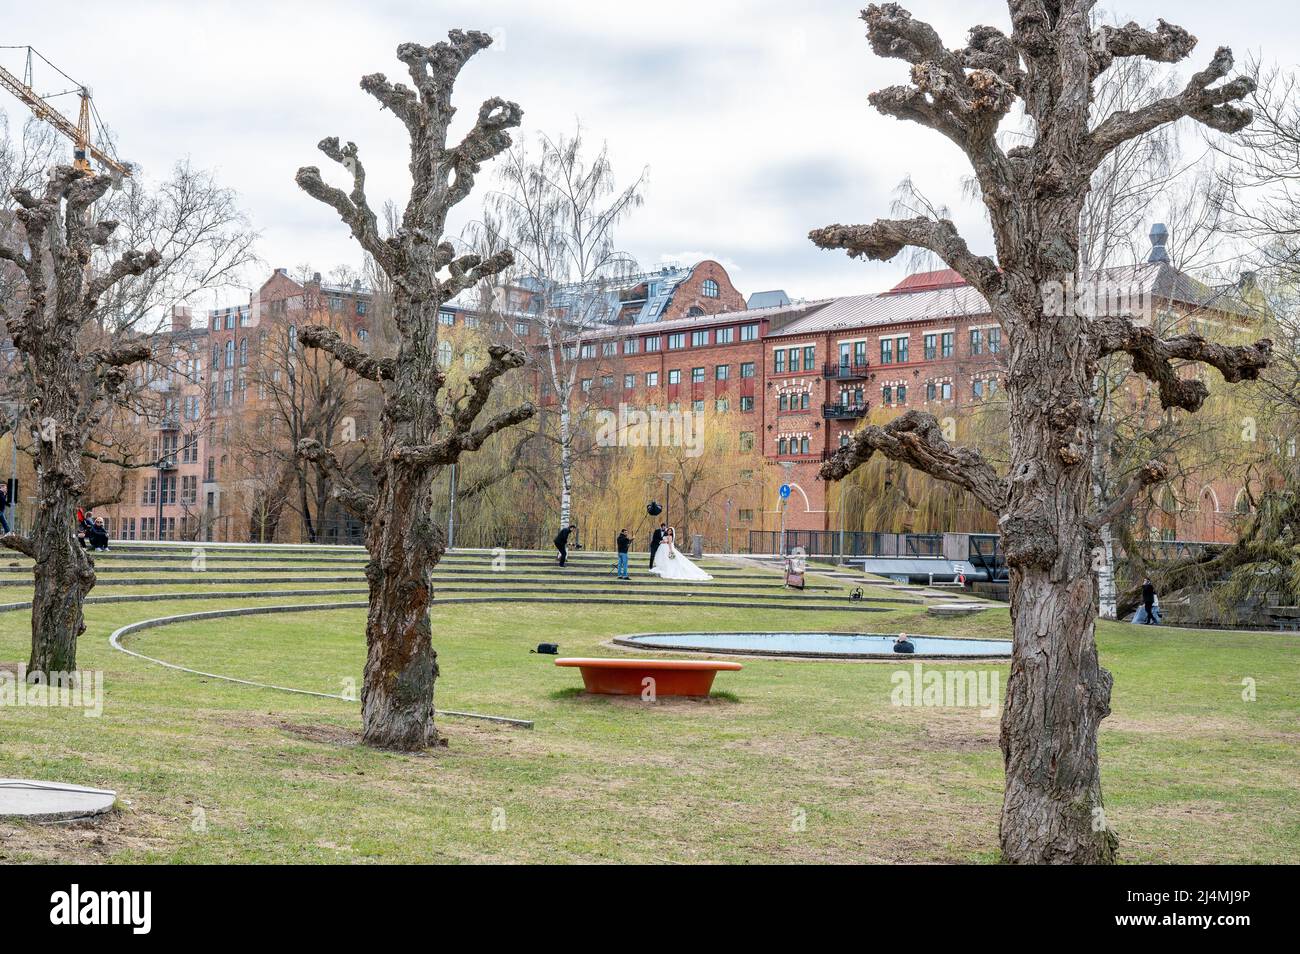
<point x="444" y="354"/>
<point x="1242" y="504"/>
<point x="243" y="352"/>
<point x="293" y="337"/>
<point x="695" y="312"/>
<point x="230" y="353"/>
<point x="710" y="288"/>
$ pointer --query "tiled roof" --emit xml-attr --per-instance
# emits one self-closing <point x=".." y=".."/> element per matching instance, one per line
<point x="890" y="308"/>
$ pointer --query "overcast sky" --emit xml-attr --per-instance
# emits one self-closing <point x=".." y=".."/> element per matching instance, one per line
<point x="751" y="117"/>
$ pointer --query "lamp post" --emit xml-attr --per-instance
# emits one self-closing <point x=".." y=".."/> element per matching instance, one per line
<point x="727" y="531"/>
<point x="668" y="481"/>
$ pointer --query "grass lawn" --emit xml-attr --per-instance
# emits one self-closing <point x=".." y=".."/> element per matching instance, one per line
<point x="796" y="761"/>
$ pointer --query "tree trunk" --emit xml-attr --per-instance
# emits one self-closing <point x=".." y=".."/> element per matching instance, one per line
<point x="566" y="461"/>
<point x="1057" y="693"/>
<point x="64" y="573"/>
<point x="401" y="664"/>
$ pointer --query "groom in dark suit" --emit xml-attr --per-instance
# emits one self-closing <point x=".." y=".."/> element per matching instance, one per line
<point x="656" y="539"/>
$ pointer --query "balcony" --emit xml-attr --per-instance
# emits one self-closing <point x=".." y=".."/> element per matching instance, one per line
<point x="845" y="372"/>
<point x="167" y="463"/>
<point x="169" y="423"/>
<point x="843" y="412"/>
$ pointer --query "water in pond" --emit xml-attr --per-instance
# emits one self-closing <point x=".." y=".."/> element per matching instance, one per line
<point x="818" y="644"/>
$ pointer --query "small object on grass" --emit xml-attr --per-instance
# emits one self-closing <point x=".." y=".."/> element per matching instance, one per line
<point x="547" y="649"/>
<point x="856" y="594"/>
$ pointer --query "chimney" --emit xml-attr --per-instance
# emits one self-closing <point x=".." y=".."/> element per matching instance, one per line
<point x="1159" y="237"/>
<point x="180" y="318"/>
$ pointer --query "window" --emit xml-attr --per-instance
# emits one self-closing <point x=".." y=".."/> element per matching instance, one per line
<point x="609" y="349"/>
<point x="630" y="346"/>
<point x="778" y="362"/>
<point x="675" y="376"/>
<point x="699" y="338"/>
<point x="697" y="375"/>
<point x="444" y="354"/>
<point x="230" y="322"/>
<point x="746" y="441"/>
<point x="652" y="379"/>
<point x="746" y="474"/>
<point x="794" y="359"/>
<point x="886" y="350"/>
<point x="804" y="400"/>
<point x="446" y="318"/>
<point x="946" y="390"/>
<point x="782" y="447"/>
<point x="995" y="340"/>
<point x="677" y="341"/>
<point x="929" y="391"/>
<point x="976" y="341"/>
<point x="697" y="407"/>
<point x="722" y="372"/>
<point x="745" y="516"/>
<point x="844" y="438"/>
<point x="809" y="358"/>
<point x="803" y="445"/>
<point x="150" y="495"/>
<point x="361" y="308"/>
<point x="243" y="352"/>
<point x="784" y="402"/>
<point x="746" y="403"/>
<point x="586" y="385"/>
<point x="652" y="343"/>
<point x="710" y="288"/>
<point x="945" y="345"/>
<point x="900" y="349"/>
<point x="931" y="350"/>
<point x="749" y="332"/>
<point x="977" y="388"/>
<point x="230" y="353"/>
<point x="901" y="394"/>
<point x="471" y="321"/>
<point x="629" y="382"/>
<point x="521" y="329"/>
<point x="724" y="335"/>
<point x="747" y="369"/>
<point x="887" y="394"/>
<point x="587" y="351"/>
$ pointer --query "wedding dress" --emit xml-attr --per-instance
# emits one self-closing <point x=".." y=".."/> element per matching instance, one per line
<point x="671" y="564"/>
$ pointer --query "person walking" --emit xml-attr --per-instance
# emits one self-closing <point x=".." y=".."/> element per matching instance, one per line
<point x="1149" y="600"/>
<point x="655" y="539"/>
<point x="624" y="545"/>
<point x="4" y="505"/>
<point x="562" y="542"/>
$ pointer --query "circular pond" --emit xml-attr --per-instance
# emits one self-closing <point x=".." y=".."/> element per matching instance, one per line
<point x="825" y="645"/>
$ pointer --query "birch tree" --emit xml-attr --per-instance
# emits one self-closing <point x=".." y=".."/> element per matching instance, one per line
<point x="1057" y="692"/>
<point x="558" y="212"/>
<point x="423" y="426"/>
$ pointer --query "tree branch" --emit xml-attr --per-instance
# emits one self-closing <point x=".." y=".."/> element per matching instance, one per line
<point x="351" y="357"/>
<point x="1152" y="472"/>
<point x="916" y="439"/>
<point x="1207" y="105"/>
<point x="1152" y="356"/>
<point x="1168" y="44"/>
<point x="355" y="501"/>
<point x="885" y="238"/>
<point x="16" y="541"/>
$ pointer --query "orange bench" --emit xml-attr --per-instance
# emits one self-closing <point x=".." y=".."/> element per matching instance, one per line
<point x="627" y="677"/>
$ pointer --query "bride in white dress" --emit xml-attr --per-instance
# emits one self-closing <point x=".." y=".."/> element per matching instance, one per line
<point x="671" y="564"/>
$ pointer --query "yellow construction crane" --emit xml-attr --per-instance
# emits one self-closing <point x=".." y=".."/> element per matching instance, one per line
<point x="83" y="150"/>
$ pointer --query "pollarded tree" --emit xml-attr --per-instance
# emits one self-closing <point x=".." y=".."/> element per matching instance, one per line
<point x="1057" y="692"/>
<point x="422" y="427"/>
<point x="71" y="368"/>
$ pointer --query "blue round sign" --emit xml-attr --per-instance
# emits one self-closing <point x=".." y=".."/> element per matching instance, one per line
<point x="785" y="491"/>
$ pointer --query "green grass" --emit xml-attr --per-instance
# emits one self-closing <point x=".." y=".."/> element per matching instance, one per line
<point x="796" y="761"/>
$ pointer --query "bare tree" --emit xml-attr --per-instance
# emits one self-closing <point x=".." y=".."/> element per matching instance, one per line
<point x="423" y="428"/>
<point x="1057" y="692"/>
<point x="68" y="395"/>
<point x="558" y="214"/>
